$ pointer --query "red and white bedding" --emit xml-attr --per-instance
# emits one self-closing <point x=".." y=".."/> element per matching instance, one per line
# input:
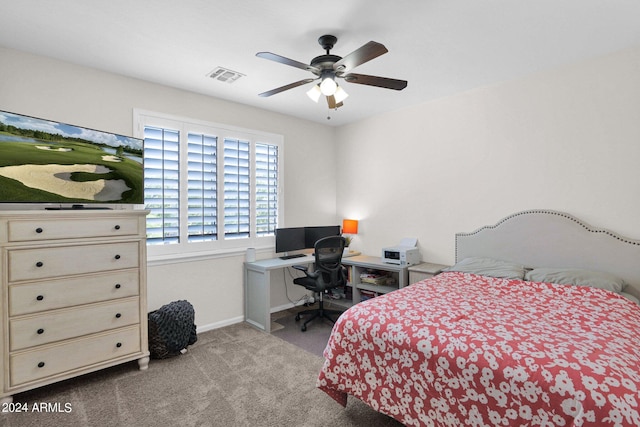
<point x="461" y="349"/>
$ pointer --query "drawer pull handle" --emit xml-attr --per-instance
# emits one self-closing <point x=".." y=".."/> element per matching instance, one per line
<point x="117" y="227"/>
<point x="39" y="264"/>
<point x="118" y="285"/>
<point x="41" y="365"/>
<point x="118" y="315"/>
<point x="38" y="230"/>
<point x="119" y="345"/>
<point x="40" y="331"/>
<point x="117" y="256"/>
<point x="40" y="297"/>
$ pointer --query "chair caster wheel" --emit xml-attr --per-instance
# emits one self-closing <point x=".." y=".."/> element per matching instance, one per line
<point x="297" y="317"/>
<point x="304" y="328"/>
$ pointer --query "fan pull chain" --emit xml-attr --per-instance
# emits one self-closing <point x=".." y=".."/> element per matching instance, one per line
<point x="329" y="113"/>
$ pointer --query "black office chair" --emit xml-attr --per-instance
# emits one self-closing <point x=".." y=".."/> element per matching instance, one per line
<point x="328" y="273"/>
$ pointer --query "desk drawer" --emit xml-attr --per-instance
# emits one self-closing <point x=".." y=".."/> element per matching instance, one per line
<point x="64" y="324"/>
<point x="41" y="263"/>
<point x="70" y="291"/>
<point x="47" y="229"/>
<point x="46" y="361"/>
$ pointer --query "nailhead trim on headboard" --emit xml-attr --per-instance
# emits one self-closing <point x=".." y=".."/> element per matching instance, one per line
<point x="549" y="212"/>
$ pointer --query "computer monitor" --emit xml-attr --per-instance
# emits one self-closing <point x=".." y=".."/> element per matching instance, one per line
<point x="290" y="239"/>
<point x="313" y="234"/>
<point x="296" y="238"/>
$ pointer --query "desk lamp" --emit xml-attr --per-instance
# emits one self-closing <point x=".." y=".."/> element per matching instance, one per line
<point x="349" y="226"/>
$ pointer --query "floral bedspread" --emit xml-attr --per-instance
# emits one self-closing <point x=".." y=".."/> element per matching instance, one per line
<point x="467" y="350"/>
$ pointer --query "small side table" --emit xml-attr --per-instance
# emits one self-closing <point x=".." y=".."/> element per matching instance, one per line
<point x="426" y="270"/>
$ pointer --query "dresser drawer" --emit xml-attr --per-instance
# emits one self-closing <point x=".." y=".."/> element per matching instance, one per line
<point x="47" y="229"/>
<point x="41" y="263"/>
<point x="49" y="327"/>
<point x="69" y="291"/>
<point x="55" y="359"/>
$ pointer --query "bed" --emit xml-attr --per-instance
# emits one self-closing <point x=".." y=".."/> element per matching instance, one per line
<point x="537" y="324"/>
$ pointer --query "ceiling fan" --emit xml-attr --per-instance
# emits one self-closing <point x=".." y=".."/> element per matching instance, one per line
<point x="327" y="68"/>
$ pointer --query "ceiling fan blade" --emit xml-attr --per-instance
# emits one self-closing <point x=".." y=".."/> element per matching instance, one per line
<point x="331" y="102"/>
<point x="287" y="87"/>
<point x="383" y="82"/>
<point x="286" y="61"/>
<point x="359" y="56"/>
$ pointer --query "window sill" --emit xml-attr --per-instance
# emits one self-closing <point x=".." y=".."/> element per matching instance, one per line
<point x="164" y="259"/>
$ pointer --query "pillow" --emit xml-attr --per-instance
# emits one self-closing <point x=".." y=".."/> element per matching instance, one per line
<point x="489" y="267"/>
<point x="572" y="276"/>
<point x="630" y="297"/>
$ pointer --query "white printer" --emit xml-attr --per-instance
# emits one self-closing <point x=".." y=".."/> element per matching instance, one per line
<point x="406" y="253"/>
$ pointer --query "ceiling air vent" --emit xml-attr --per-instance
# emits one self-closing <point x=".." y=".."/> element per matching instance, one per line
<point x="225" y="75"/>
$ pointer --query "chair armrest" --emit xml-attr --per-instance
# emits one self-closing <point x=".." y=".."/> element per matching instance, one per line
<point x="305" y="269"/>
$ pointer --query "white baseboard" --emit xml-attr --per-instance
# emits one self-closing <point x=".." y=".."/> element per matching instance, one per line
<point x="221" y="324"/>
<point x="239" y="319"/>
<point x="288" y="306"/>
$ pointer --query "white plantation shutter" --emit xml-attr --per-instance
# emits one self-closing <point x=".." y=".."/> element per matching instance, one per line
<point x="208" y="187"/>
<point x="161" y="184"/>
<point x="237" y="190"/>
<point x="266" y="188"/>
<point x="202" y="187"/>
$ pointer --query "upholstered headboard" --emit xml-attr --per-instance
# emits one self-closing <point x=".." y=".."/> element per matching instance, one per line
<point x="543" y="238"/>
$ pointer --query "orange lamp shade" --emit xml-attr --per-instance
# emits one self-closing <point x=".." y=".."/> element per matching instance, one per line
<point x="350" y="226"/>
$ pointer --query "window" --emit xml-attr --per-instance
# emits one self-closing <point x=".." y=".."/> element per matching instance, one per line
<point x="208" y="186"/>
<point x="202" y="215"/>
<point x="161" y="184"/>
<point x="266" y="189"/>
<point x="236" y="188"/>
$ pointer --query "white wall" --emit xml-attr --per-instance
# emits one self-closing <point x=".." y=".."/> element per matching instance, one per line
<point x="567" y="140"/>
<point x="65" y="92"/>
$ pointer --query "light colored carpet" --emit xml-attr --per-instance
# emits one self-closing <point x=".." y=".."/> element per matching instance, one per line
<point x="233" y="376"/>
<point x="314" y="339"/>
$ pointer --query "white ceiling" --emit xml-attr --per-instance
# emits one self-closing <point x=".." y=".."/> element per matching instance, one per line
<point x="441" y="47"/>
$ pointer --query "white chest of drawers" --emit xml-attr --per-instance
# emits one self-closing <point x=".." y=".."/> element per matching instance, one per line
<point x="73" y="296"/>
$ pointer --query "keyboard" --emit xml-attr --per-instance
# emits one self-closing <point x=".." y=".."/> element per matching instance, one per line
<point x="293" y="256"/>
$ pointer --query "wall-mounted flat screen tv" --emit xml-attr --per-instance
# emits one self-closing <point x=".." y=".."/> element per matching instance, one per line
<point x="43" y="161"/>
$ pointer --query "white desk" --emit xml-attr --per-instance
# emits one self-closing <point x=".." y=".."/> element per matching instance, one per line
<point x="360" y="263"/>
<point x="257" y="283"/>
<point x="257" y="288"/>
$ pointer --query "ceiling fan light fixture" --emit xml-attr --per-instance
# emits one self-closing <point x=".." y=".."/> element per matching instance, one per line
<point x="314" y="93"/>
<point x="328" y="67"/>
<point x="328" y="86"/>
<point x="340" y="95"/>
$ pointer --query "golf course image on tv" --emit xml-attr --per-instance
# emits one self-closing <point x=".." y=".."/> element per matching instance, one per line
<point x="43" y="161"/>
